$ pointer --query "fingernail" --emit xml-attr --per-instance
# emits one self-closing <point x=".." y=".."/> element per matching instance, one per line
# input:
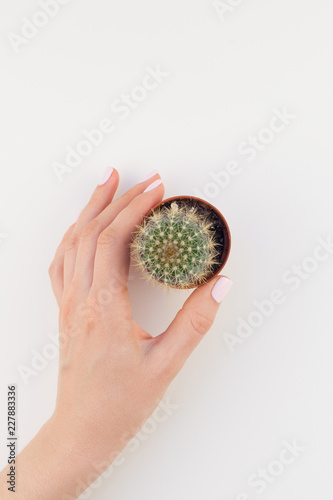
<point x="150" y="175"/>
<point x="153" y="185"/>
<point x="106" y="176"/>
<point x="221" y="288"/>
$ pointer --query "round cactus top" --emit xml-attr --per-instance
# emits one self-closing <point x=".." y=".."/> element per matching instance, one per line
<point x="176" y="246"/>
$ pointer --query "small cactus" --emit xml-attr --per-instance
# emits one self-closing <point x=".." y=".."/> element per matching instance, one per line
<point x="175" y="246"/>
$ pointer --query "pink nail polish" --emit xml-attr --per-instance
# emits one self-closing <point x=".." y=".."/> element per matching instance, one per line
<point x="221" y="288"/>
<point x="153" y="185"/>
<point x="106" y="176"/>
<point x="150" y="175"/>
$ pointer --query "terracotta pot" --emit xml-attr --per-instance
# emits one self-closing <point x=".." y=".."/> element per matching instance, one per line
<point x="223" y="226"/>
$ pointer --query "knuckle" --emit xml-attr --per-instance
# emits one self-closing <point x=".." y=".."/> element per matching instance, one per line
<point x="91" y="230"/>
<point x="108" y="238"/>
<point x="66" y="311"/>
<point x="90" y="313"/>
<point x="68" y="318"/>
<point x="200" y="322"/>
<point x="52" y="269"/>
<point x="73" y="241"/>
<point x="65" y="238"/>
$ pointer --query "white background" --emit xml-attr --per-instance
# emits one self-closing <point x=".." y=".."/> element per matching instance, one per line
<point x="226" y="77"/>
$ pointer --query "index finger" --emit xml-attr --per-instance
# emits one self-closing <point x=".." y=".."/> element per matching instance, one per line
<point x="113" y="254"/>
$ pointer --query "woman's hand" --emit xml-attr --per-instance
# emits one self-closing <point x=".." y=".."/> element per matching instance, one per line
<point x="112" y="373"/>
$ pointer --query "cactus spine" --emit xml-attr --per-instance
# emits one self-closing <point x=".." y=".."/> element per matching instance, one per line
<point x="175" y="246"/>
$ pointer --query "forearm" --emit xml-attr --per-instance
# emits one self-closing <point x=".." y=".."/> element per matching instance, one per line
<point x="46" y="470"/>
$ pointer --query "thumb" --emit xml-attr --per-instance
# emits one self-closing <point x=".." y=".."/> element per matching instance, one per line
<point x="191" y="323"/>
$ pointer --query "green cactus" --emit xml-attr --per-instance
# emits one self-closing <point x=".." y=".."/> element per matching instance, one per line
<point x="175" y="246"/>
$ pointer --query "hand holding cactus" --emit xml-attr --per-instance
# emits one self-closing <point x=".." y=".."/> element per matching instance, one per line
<point x="113" y="373"/>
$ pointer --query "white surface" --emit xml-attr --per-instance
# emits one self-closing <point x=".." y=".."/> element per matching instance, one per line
<point x="225" y="80"/>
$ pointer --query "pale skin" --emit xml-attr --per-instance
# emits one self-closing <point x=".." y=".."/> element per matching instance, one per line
<point x="112" y="373"/>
